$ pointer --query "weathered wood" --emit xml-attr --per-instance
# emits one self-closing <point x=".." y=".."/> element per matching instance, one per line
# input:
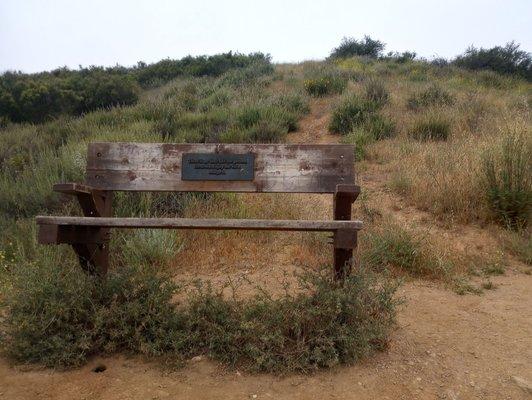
<point x="344" y="197"/>
<point x="189" y="223"/>
<point x="278" y="167"/>
<point x="57" y="234"/>
<point x="91" y="244"/>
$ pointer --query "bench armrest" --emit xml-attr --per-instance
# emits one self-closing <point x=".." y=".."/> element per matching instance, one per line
<point x="73" y="188"/>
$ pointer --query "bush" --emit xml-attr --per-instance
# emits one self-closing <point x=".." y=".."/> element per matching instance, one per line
<point x="431" y="127"/>
<point x="394" y="248"/>
<point x="324" y="325"/>
<point x="350" y="47"/>
<point x="380" y="127"/>
<point x="508" y="182"/>
<point x="375" y="92"/>
<point x="40" y="97"/>
<point x="352" y="112"/>
<point x="216" y="65"/>
<point x="361" y="138"/>
<point x="505" y="60"/>
<point x="58" y="316"/>
<point x="325" y="85"/>
<point x="432" y="96"/>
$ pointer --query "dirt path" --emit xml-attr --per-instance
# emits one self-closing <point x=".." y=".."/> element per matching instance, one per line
<point x="446" y="346"/>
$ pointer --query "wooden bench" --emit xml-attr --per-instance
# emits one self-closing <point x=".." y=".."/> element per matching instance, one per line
<point x="158" y="167"/>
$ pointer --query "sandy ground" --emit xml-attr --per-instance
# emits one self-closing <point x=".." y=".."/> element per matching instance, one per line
<point x="445" y="347"/>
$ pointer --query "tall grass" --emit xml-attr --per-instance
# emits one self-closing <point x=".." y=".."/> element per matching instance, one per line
<point x="507" y="174"/>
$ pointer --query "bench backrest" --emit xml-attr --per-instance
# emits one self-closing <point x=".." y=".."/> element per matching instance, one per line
<point x="283" y="168"/>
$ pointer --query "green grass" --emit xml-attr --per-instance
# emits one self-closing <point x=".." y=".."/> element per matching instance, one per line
<point x="508" y="182"/>
<point x="431" y="127"/>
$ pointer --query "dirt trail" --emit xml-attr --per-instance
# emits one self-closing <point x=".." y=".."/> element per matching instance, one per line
<point x="446" y="346"/>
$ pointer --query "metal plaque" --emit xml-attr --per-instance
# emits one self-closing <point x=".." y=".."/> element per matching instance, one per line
<point x="217" y="167"/>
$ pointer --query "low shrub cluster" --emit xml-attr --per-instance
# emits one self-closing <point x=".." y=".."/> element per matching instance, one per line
<point x="58" y="316"/>
<point x="325" y="85"/>
<point x="216" y="65"/>
<point x="432" y="96"/>
<point x="431" y="127"/>
<point x="43" y="96"/>
<point x="394" y="248"/>
<point x="351" y="113"/>
<point x="508" y="59"/>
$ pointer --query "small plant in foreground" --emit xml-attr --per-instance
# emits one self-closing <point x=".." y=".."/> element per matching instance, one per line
<point x="431" y="127"/>
<point x="508" y="182"/>
<point x="393" y="247"/>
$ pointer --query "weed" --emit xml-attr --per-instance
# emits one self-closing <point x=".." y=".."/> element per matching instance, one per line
<point x="433" y="96"/>
<point x="431" y="127"/>
<point x="375" y="92"/>
<point x="351" y="113"/>
<point x="507" y="181"/>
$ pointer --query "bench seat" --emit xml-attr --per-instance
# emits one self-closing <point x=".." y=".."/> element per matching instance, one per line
<point x="189" y="223"/>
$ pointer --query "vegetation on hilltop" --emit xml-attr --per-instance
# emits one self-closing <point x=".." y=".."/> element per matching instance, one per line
<point x="43" y="96"/>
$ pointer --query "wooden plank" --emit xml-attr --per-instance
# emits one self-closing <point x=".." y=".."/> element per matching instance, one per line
<point x="188" y="223"/>
<point x="71" y="234"/>
<point x="278" y="167"/>
<point x="344" y="196"/>
<point x="72" y="188"/>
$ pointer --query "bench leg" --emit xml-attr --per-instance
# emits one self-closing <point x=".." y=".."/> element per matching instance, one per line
<point x="345" y="241"/>
<point x="91" y="244"/>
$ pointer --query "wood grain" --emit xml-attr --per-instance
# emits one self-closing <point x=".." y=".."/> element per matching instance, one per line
<point x="189" y="223"/>
<point x="278" y="167"/>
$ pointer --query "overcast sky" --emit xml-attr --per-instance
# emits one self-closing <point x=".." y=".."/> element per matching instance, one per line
<point x="38" y="35"/>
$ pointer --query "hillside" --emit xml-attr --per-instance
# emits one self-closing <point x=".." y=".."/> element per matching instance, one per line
<point x="443" y="160"/>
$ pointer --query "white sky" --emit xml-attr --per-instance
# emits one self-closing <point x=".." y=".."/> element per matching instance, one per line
<point x="38" y="35"/>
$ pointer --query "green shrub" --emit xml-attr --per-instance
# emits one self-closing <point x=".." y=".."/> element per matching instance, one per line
<point x="350" y="47"/>
<point x="325" y="85"/>
<point x="323" y="325"/>
<point x="393" y="247"/>
<point x="361" y="138"/>
<point x="508" y="181"/>
<point x="380" y="127"/>
<point x="505" y="60"/>
<point x="147" y="246"/>
<point x="375" y="91"/>
<point x="432" y="96"/>
<point x="58" y="316"/>
<point x="351" y="112"/>
<point x="431" y="127"/>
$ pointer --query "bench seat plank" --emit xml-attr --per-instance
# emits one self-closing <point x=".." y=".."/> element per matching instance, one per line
<point x="188" y="223"/>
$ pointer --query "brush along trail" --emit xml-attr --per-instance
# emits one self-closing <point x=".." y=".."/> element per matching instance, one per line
<point x="446" y="346"/>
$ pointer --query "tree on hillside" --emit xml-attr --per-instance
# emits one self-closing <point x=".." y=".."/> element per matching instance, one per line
<point x="505" y="60"/>
<point x="352" y="47"/>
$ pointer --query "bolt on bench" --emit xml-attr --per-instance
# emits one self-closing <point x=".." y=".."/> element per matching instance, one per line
<point x="159" y="167"/>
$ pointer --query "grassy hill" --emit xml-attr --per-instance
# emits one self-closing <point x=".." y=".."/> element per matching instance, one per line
<point x="452" y="144"/>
